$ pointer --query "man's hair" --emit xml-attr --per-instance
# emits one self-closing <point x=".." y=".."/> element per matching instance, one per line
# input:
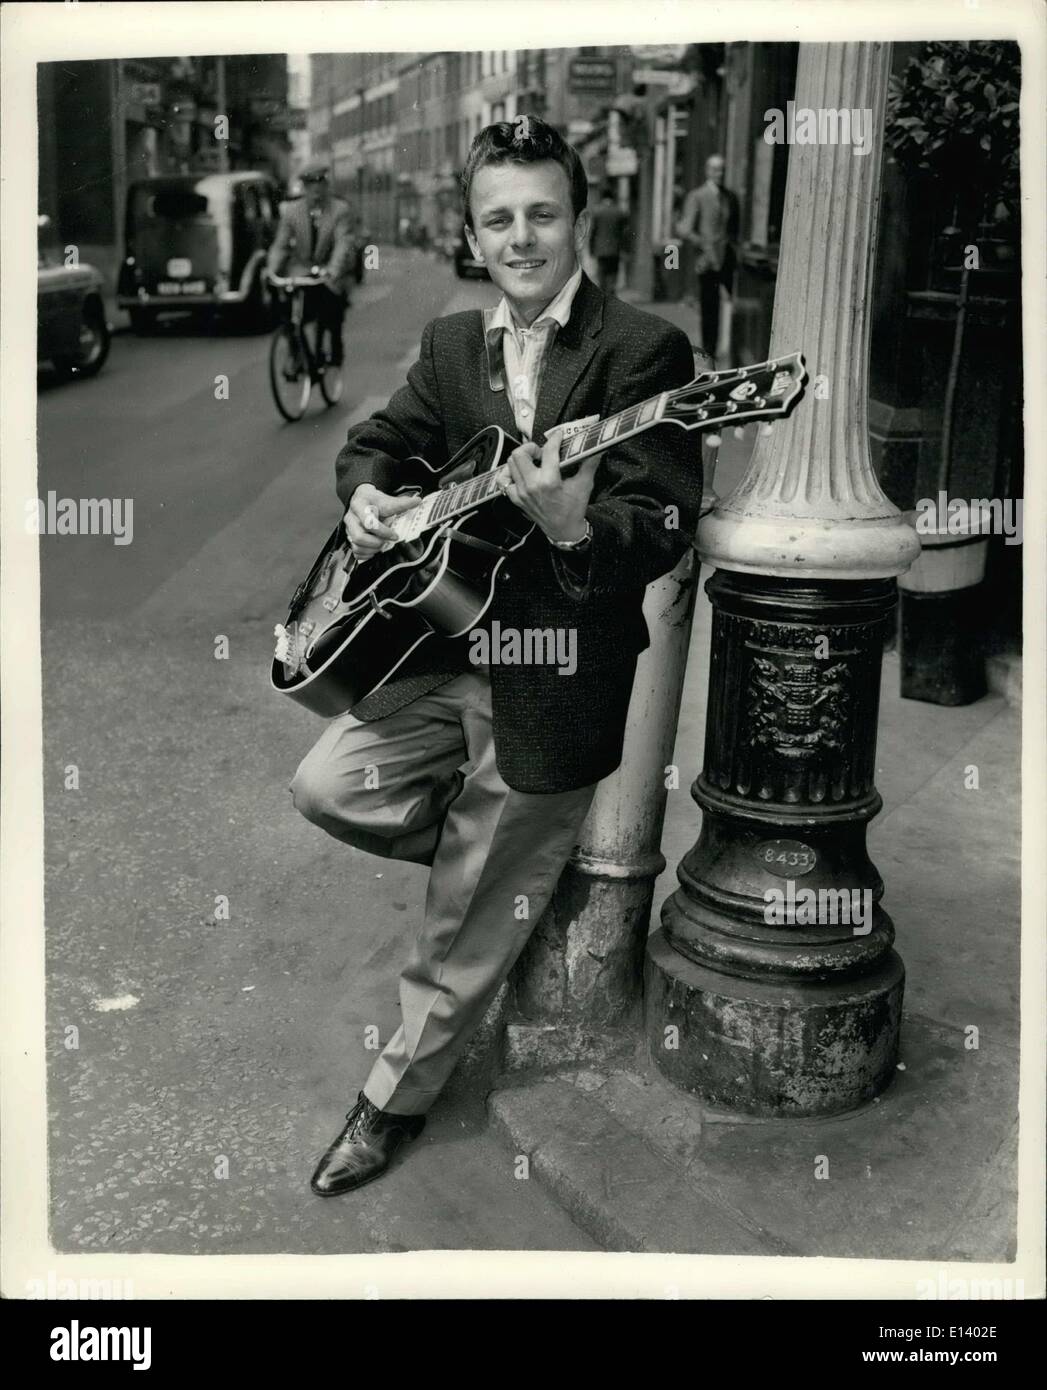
<point x="525" y="140"/>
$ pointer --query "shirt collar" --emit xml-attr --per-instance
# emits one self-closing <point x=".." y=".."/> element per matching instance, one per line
<point x="558" y="309"/>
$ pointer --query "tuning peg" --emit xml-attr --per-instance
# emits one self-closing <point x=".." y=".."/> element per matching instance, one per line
<point x="765" y="428"/>
<point x="739" y="431"/>
<point x="713" y="440"/>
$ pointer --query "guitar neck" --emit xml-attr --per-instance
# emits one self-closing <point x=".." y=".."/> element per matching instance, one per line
<point x="765" y="391"/>
<point x="450" y="502"/>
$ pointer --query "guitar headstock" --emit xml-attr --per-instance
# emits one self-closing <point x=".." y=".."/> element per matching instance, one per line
<point x="766" y="391"/>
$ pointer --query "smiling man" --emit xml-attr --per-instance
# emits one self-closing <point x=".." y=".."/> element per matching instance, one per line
<point x="485" y="774"/>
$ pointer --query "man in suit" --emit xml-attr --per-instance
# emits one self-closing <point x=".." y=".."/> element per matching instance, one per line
<point x="315" y="232"/>
<point x="608" y="236"/>
<point x="709" y="221"/>
<point x="485" y="773"/>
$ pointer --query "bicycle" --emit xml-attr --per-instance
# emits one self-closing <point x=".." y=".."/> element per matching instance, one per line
<point x="294" y="362"/>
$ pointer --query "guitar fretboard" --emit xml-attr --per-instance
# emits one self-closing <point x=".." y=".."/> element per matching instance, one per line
<point x="459" y="498"/>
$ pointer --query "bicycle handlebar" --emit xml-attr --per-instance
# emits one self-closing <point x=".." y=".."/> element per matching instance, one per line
<point x="296" y="281"/>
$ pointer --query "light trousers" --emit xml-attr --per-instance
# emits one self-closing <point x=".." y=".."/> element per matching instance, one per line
<point x="422" y="785"/>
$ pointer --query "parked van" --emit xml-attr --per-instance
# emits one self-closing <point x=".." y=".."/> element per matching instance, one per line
<point x="198" y="241"/>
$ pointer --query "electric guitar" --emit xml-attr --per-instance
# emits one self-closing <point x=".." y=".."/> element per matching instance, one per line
<point x="353" y="623"/>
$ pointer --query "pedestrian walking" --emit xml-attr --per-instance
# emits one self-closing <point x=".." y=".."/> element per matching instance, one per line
<point x="607" y="240"/>
<point x="709" y="220"/>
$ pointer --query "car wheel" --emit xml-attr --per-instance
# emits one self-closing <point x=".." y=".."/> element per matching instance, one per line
<point x="94" y="344"/>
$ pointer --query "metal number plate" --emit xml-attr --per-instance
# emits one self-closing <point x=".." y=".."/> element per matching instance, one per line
<point x="785" y="858"/>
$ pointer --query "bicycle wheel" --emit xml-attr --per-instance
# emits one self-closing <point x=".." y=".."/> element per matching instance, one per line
<point x="332" y="383"/>
<point x="289" y="373"/>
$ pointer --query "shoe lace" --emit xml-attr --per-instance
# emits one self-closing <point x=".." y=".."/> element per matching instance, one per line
<point x="361" y="1116"/>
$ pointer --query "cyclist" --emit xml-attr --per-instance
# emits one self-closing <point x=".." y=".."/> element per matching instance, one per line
<point x="316" y="231"/>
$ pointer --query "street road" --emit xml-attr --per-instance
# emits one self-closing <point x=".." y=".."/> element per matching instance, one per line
<point x="218" y="1047"/>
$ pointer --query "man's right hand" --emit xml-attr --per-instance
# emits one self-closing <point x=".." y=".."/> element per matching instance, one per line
<point x="365" y="516"/>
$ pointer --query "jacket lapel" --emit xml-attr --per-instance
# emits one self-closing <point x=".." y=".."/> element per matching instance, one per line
<point x="568" y="356"/>
<point x="494" y="398"/>
<point x="324" y="231"/>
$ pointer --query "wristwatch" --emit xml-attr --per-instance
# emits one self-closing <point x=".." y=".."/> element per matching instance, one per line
<point x="579" y="544"/>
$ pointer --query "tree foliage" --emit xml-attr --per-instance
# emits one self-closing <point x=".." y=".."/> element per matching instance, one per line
<point x="953" y="113"/>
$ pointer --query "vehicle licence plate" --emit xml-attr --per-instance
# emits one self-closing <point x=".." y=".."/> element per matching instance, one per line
<point x="181" y="287"/>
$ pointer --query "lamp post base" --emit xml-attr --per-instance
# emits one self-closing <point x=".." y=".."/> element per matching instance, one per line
<point x="773" y="987"/>
<point x="813" y="1048"/>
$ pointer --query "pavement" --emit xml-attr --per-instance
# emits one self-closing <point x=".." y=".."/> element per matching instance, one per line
<point x="928" y="1169"/>
<point x="231" y="970"/>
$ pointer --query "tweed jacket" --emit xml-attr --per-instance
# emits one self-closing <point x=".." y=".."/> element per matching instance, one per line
<point x="552" y="732"/>
<point x="334" y="242"/>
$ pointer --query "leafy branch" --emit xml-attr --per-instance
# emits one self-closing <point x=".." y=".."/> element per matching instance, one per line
<point x="953" y="114"/>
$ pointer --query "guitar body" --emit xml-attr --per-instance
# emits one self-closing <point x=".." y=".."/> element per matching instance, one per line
<point x="355" y="624"/>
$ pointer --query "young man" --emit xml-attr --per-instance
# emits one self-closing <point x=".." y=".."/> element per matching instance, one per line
<point x="315" y="230"/>
<point x="485" y="774"/>
<point x="709" y="220"/>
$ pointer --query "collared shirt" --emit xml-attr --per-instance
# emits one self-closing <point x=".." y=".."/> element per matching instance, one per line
<point x="524" y="350"/>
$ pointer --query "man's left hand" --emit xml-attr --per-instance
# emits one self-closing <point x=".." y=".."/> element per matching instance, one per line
<point x="554" y="503"/>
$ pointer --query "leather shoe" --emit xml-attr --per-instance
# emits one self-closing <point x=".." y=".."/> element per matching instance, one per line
<point x="364" y="1149"/>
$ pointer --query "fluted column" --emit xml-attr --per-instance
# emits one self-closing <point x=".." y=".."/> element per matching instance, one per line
<point x="800" y="1016"/>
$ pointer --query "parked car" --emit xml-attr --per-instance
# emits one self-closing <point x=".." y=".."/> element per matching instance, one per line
<point x="198" y="241"/>
<point x="72" y="332"/>
<point x="465" y="263"/>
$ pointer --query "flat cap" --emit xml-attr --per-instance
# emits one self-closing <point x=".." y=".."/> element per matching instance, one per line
<point x="315" y="169"/>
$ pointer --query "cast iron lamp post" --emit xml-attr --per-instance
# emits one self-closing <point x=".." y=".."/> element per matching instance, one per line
<point x="801" y="1017"/>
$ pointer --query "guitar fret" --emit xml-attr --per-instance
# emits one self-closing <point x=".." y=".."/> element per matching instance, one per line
<point x="647" y="411"/>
